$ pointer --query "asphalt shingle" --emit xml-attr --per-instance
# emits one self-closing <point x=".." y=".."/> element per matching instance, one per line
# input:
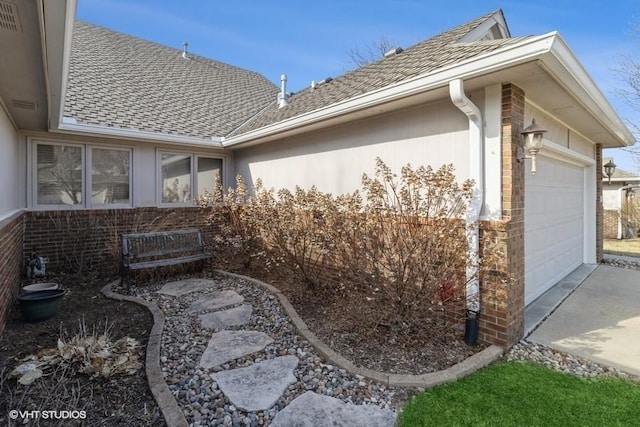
<point x="423" y="58"/>
<point x="121" y="81"/>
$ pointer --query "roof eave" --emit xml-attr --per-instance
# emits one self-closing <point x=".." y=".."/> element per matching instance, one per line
<point x="562" y="63"/>
<point x="548" y="49"/>
<point x="525" y="51"/>
<point x="67" y="126"/>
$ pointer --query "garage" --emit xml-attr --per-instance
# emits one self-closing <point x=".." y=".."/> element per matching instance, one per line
<point x="554" y="223"/>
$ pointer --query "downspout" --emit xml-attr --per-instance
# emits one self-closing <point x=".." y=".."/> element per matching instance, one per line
<point x="626" y="187"/>
<point x="476" y="173"/>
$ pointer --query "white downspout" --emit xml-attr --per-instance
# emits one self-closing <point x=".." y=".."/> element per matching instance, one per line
<point x="626" y="187"/>
<point x="476" y="173"/>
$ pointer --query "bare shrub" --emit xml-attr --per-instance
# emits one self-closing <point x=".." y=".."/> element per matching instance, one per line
<point x="415" y="245"/>
<point x="229" y="215"/>
<point x="402" y="244"/>
<point x="295" y="226"/>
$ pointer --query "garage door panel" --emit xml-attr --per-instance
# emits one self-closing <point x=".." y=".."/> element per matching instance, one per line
<point x="554" y="224"/>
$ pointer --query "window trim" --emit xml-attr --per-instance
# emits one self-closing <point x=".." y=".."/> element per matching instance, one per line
<point x="86" y="158"/>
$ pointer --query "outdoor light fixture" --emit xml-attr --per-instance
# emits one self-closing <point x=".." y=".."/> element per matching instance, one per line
<point x="609" y="169"/>
<point x="533" y="142"/>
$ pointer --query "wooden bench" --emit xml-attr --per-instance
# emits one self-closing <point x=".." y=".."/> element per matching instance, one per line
<point x="160" y="249"/>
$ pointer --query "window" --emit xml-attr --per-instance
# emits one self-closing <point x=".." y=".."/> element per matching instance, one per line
<point x="109" y="176"/>
<point x="82" y="176"/>
<point x="181" y="173"/>
<point x="59" y="174"/>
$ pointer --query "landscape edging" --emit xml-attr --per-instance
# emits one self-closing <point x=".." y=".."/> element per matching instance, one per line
<point x="171" y="411"/>
<point x="432" y="379"/>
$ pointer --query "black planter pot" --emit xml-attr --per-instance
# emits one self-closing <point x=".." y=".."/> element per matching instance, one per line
<point x="40" y="305"/>
<point x="471" y="327"/>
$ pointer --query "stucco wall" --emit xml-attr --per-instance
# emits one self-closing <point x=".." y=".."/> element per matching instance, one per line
<point x="334" y="160"/>
<point x="559" y="133"/>
<point x="9" y="167"/>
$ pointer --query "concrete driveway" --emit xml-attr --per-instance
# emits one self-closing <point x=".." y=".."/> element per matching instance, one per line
<point x="599" y="321"/>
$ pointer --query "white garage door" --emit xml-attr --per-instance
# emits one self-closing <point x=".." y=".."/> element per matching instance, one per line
<point x="554" y="224"/>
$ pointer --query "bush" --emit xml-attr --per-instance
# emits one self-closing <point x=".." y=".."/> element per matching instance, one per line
<point x="403" y="243"/>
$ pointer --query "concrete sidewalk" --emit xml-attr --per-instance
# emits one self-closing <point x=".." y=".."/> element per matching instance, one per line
<point x="599" y="321"/>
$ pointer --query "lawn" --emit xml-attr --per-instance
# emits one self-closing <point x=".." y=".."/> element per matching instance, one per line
<point x="525" y="394"/>
<point x="625" y="246"/>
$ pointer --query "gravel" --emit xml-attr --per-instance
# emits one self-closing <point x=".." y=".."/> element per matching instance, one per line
<point x="184" y="341"/>
<point x="564" y="362"/>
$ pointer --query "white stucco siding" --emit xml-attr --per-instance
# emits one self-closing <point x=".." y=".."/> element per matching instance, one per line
<point x="611" y="195"/>
<point x="334" y="160"/>
<point x="559" y="133"/>
<point x="10" y="161"/>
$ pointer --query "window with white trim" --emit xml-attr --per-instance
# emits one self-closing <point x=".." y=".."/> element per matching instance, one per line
<point x="80" y="175"/>
<point x="181" y="173"/>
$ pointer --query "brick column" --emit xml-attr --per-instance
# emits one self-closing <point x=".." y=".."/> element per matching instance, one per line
<point x="599" y="205"/>
<point x="502" y="319"/>
<point x="11" y="241"/>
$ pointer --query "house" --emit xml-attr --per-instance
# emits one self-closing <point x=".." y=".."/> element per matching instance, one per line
<point x="621" y="204"/>
<point x="95" y="121"/>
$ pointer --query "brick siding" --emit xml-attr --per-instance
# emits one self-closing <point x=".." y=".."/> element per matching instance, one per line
<point x="609" y="225"/>
<point x="89" y="239"/>
<point x="502" y="316"/>
<point x="11" y="240"/>
<point x="599" y="205"/>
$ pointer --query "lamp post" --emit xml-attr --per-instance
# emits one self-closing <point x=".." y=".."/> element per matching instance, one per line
<point x="533" y="141"/>
<point x="609" y="169"/>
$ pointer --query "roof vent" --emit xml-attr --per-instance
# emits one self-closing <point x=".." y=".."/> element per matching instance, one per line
<point x="185" y="45"/>
<point x="283" y="98"/>
<point x="393" y="52"/>
<point x="9" y="19"/>
<point x="27" y="105"/>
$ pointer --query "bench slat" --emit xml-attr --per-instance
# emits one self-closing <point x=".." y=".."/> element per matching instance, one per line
<point x="168" y="261"/>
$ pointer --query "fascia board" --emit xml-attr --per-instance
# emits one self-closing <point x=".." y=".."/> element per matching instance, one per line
<point x="57" y="20"/>
<point x="104" y="131"/>
<point x="528" y="50"/>
<point x="566" y="68"/>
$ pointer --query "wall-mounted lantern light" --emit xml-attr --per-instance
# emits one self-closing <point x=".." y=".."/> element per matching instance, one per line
<point x="533" y="140"/>
<point x="609" y="169"/>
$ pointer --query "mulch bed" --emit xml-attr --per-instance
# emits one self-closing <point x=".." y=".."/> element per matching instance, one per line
<point x="114" y="401"/>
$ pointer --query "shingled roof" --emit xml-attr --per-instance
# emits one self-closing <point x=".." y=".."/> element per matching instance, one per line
<point x="120" y="81"/>
<point x="423" y="58"/>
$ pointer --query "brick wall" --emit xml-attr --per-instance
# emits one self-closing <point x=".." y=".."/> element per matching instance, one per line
<point x="609" y="225"/>
<point x="599" y="205"/>
<point x="502" y="318"/>
<point x="89" y="239"/>
<point x="11" y="238"/>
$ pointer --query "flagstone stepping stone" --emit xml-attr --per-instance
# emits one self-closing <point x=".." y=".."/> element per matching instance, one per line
<point x="225" y="346"/>
<point x="215" y="301"/>
<point x="315" y="410"/>
<point x="259" y="386"/>
<point x="183" y="287"/>
<point x="223" y="319"/>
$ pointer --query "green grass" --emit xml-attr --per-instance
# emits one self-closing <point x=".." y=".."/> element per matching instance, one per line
<point x="525" y="394"/>
<point x="625" y="246"/>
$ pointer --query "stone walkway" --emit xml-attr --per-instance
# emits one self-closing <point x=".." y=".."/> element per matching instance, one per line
<point x="232" y="358"/>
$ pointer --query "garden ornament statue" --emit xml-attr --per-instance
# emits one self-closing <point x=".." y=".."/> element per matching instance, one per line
<point x="36" y="266"/>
